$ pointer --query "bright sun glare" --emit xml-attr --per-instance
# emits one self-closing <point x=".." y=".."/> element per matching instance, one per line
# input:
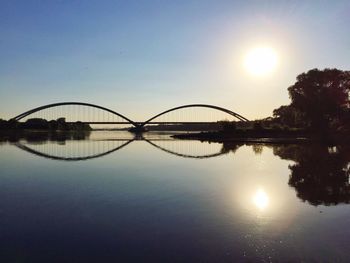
<point x="260" y="61"/>
<point x="260" y="199"/>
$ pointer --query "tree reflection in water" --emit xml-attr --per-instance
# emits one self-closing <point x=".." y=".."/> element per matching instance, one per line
<point x="320" y="175"/>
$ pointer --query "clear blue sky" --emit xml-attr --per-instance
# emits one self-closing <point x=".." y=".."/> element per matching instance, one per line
<point x="141" y="57"/>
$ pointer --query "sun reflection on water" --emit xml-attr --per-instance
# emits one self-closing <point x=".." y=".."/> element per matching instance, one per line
<point x="260" y="199"/>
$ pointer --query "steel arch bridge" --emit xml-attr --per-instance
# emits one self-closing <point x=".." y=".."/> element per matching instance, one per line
<point x="126" y="120"/>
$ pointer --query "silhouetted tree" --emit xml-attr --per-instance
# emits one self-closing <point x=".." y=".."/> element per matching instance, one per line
<point x="8" y="125"/>
<point x="258" y="126"/>
<point x="320" y="97"/>
<point x="36" y="123"/>
<point x="289" y="116"/>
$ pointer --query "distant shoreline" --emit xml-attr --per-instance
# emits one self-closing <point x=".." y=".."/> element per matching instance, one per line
<point x="263" y="137"/>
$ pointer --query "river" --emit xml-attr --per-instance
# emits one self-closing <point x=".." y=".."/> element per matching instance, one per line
<point x="111" y="197"/>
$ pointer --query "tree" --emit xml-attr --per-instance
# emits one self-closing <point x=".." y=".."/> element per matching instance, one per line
<point x="321" y="97"/>
<point x="289" y="115"/>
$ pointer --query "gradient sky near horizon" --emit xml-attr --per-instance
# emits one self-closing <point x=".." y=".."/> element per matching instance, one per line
<point x="142" y="57"/>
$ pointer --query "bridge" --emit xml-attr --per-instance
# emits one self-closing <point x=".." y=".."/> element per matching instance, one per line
<point x="95" y="114"/>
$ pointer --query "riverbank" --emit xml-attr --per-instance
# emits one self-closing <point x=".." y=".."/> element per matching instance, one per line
<point x="264" y="136"/>
<point x="34" y="135"/>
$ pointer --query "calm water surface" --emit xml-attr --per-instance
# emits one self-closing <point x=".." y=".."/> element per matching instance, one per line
<point x="111" y="197"/>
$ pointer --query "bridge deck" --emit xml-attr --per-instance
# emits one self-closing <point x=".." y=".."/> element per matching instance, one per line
<point x="150" y="123"/>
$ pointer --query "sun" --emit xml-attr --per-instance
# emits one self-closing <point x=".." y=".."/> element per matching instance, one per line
<point x="261" y="61"/>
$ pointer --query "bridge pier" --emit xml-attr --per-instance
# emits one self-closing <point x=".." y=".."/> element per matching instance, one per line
<point x="138" y="129"/>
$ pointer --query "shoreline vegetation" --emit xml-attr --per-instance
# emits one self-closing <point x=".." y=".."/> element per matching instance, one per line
<point x="38" y="130"/>
<point x="39" y="124"/>
<point x="265" y="136"/>
<point x="39" y="136"/>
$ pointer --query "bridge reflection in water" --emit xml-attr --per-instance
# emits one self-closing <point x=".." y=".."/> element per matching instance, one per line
<point x="87" y="149"/>
<point x="324" y="184"/>
<point x="74" y="151"/>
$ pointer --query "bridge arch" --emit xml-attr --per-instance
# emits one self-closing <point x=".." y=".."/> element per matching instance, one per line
<point x="234" y="114"/>
<point x="27" y="113"/>
<point x="67" y="158"/>
<point x="184" y="155"/>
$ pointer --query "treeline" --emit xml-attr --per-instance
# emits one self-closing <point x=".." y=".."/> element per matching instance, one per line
<point x="320" y="103"/>
<point x="42" y="124"/>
